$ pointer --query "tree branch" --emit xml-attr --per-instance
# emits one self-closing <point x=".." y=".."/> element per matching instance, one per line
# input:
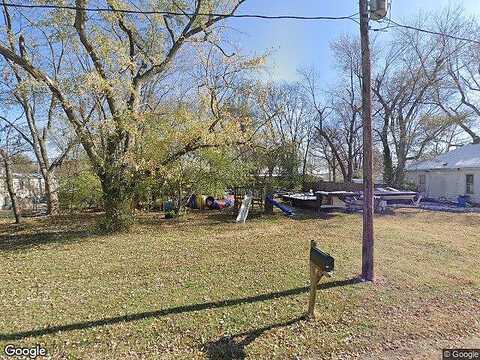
<point x="37" y="74"/>
<point x="80" y="19"/>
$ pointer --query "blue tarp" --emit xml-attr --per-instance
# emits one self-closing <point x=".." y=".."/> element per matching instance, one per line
<point x="286" y="210"/>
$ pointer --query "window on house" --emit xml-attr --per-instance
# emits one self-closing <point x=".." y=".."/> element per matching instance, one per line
<point x="422" y="180"/>
<point x="469" y="183"/>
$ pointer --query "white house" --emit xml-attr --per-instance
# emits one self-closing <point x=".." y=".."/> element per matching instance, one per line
<point x="28" y="187"/>
<point x="449" y="175"/>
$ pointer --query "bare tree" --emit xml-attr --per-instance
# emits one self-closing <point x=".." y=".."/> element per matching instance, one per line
<point x="41" y="123"/>
<point x="10" y="147"/>
<point x="458" y="95"/>
<point x="338" y="113"/>
<point x="292" y="126"/>
<point x="407" y="119"/>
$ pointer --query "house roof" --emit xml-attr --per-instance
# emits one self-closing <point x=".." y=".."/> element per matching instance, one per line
<point x="467" y="156"/>
<point x="21" y="175"/>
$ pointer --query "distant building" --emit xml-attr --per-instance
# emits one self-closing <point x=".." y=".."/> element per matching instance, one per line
<point x="449" y="175"/>
<point x="29" y="188"/>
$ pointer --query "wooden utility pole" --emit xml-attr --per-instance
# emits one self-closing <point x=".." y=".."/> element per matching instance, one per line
<point x="368" y="186"/>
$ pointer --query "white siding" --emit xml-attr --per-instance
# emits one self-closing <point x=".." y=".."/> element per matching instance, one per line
<point x="2" y="193"/>
<point x="26" y="187"/>
<point x="447" y="183"/>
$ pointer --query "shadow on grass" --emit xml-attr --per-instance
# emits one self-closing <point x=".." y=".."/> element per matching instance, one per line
<point x="216" y="217"/>
<point x="202" y="218"/>
<point x="233" y="347"/>
<point x="312" y="214"/>
<point x="230" y="215"/>
<point x="25" y="241"/>
<point x="172" y="310"/>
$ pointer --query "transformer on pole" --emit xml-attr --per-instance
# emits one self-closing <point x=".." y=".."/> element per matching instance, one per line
<point x="378" y="9"/>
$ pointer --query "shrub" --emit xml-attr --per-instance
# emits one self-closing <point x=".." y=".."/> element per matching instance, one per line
<point x="170" y="214"/>
<point x="80" y="191"/>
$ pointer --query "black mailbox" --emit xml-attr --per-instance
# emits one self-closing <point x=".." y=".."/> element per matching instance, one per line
<point x="321" y="264"/>
<point x="323" y="260"/>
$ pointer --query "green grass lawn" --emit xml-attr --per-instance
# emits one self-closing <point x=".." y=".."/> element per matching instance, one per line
<point x="204" y="287"/>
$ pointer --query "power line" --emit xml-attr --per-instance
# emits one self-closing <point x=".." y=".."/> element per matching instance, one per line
<point x="173" y="13"/>
<point x="432" y="32"/>
<point x="391" y="23"/>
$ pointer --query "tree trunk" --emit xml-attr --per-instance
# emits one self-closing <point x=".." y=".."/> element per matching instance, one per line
<point x="400" y="173"/>
<point x="305" y="162"/>
<point x="402" y="153"/>
<point x="178" y="205"/>
<point x="339" y="160"/>
<point x="349" y="172"/>
<point x="334" y="171"/>
<point x="51" y="193"/>
<point x="350" y="158"/>
<point x="11" y="190"/>
<point x="268" y="207"/>
<point x="388" y="173"/>
<point x="117" y="200"/>
<point x="334" y="151"/>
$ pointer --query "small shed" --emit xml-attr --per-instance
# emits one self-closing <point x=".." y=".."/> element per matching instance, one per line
<point x="450" y="175"/>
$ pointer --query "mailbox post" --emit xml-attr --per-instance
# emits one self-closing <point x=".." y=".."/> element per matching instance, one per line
<point x="321" y="264"/>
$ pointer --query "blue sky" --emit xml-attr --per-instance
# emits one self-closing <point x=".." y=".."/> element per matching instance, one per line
<point x="297" y="44"/>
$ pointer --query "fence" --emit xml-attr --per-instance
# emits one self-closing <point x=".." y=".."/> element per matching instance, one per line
<point x="258" y="195"/>
<point x="332" y="186"/>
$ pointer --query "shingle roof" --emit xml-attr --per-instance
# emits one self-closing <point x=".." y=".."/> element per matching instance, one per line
<point x="467" y="156"/>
